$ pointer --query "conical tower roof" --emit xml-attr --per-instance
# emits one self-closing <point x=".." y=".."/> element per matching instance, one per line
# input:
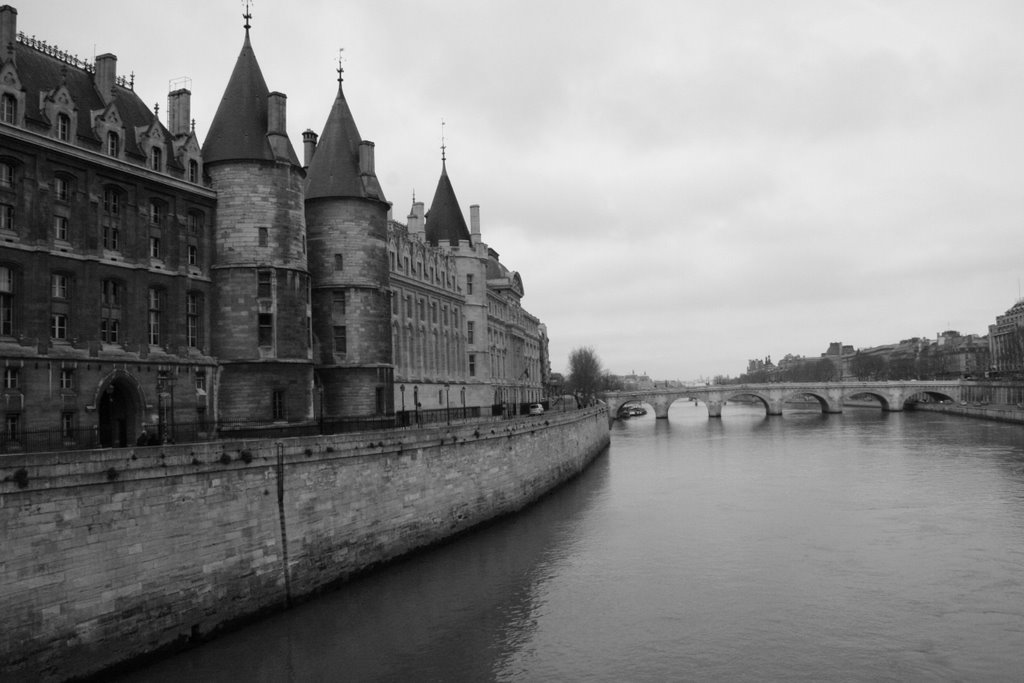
<point x="444" y="219"/>
<point x="239" y="128"/>
<point x="334" y="170"/>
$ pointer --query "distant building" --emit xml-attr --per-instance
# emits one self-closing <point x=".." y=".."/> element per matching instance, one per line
<point x="1006" y="340"/>
<point x="148" y="282"/>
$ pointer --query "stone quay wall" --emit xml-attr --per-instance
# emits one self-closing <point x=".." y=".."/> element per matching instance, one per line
<point x="112" y="555"/>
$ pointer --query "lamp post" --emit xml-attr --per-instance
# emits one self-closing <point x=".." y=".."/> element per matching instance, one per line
<point x="401" y="388"/>
<point x="463" y="392"/>
<point x="416" y="402"/>
<point x="447" y="404"/>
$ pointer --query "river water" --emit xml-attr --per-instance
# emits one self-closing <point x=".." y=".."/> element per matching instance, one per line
<point x="865" y="546"/>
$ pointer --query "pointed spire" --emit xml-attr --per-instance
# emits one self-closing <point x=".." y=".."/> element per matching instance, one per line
<point x="445" y="221"/>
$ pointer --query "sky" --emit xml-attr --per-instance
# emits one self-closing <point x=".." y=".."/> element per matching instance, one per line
<point x="683" y="185"/>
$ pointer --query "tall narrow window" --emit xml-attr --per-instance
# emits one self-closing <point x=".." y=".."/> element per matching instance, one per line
<point x="156" y="212"/>
<point x="59" y="286"/>
<point x="263" y="236"/>
<point x="470" y="332"/>
<point x="61" y="188"/>
<point x="195" y="223"/>
<point x="156" y="305"/>
<point x="111" y="237"/>
<point x="6" y="301"/>
<point x="59" y="326"/>
<point x="6" y="175"/>
<point x="265" y="333"/>
<point x="193" y="255"/>
<point x="60" y="228"/>
<point x="156" y="158"/>
<point x="113" y="144"/>
<point x="12" y="427"/>
<point x="8" y="109"/>
<point x="63" y="127"/>
<point x="472" y="365"/>
<point x="67" y="378"/>
<point x="469" y="284"/>
<point x="11" y="377"/>
<point x="340" y="340"/>
<point x="338" y="262"/>
<point x="6" y="217"/>
<point x="264" y="280"/>
<point x="154" y="247"/>
<point x="338" y="304"/>
<point x="277" y="404"/>
<point x="193" y="319"/>
<point x="111" y="202"/>
<point x="193" y="171"/>
<point x="67" y="425"/>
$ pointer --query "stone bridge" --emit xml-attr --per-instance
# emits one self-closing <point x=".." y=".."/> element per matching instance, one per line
<point x="831" y="396"/>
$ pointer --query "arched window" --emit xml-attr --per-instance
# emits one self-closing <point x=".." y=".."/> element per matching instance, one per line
<point x="8" y="109"/>
<point x="63" y="127"/>
<point x="113" y="144"/>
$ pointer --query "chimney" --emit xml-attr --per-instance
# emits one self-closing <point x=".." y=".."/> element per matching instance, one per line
<point x="276" y="102"/>
<point x="179" y="111"/>
<point x="8" y="32"/>
<point x="474" y="221"/>
<point x="417" y="220"/>
<point x="105" y="76"/>
<point x="308" y="146"/>
<point x="366" y="158"/>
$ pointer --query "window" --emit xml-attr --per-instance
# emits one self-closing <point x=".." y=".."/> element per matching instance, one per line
<point x="8" y="109"/>
<point x="112" y="202"/>
<point x="6" y="217"/>
<point x="113" y="144"/>
<point x="156" y="158"/>
<point x="193" y="319"/>
<point x="67" y="378"/>
<point x="111" y="237"/>
<point x="263" y="236"/>
<point x="340" y="340"/>
<point x="264" y="280"/>
<point x="338" y="303"/>
<point x="59" y="286"/>
<point x="408" y="306"/>
<point x="470" y="332"/>
<point x="12" y="427"/>
<point x="433" y="311"/>
<point x="59" y="326"/>
<point x="6" y="175"/>
<point x="338" y="262"/>
<point x="193" y="171"/>
<point x="61" y="188"/>
<point x="195" y="223"/>
<point x="156" y="212"/>
<point x="63" y="127"/>
<point x="469" y="284"/>
<point x="277" y="404"/>
<point x="60" y="228"/>
<point x="420" y="314"/>
<point x="265" y="333"/>
<point x="154" y="247"/>
<point x="67" y="425"/>
<point x="156" y="305"/>
<point x="201" y="380"/>
<point x="11" y="377"/>
<point x="193" y="255"/>
<point x="6" y="301"/>
<point x="472" y="365"/>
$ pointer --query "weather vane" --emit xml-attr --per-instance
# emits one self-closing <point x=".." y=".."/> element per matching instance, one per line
<point x="248" y="15"/>
<point x="341" y="69"/>
<point x="442" y="141"/>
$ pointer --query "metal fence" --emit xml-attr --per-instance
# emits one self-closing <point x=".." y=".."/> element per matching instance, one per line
<point x="89" y="438"/>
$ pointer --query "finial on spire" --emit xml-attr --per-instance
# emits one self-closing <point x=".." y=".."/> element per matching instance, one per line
<point x="156" y="110"/>
<point x="341" y="69"/>
<point x="443" y="147"/>
<point x="247" y="16"/>
<point x="193" y="125"/>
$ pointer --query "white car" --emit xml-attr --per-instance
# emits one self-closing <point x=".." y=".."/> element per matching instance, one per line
<point x="536" y="409"/>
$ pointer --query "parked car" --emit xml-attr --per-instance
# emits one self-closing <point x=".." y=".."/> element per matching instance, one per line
<point x="536" y="409"/>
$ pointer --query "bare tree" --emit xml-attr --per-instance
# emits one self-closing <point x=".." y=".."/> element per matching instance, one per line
<point x="585" y="374"/>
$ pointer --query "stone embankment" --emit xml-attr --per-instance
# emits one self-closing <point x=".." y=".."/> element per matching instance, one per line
<point x="109" y="556"/>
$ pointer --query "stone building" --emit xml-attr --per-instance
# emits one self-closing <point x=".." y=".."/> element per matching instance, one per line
<point x="1006" y="341"/>
<point x="152" y="283"/>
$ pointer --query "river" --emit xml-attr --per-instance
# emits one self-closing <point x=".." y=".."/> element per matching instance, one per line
<point x="865" y="546"/>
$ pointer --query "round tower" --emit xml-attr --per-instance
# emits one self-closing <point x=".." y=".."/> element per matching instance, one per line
<point x="347" y="220"/>
<point x="260" y="312"/>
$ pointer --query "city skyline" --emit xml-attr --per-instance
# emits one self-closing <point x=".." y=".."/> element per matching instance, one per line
<point x="681" y="186"/>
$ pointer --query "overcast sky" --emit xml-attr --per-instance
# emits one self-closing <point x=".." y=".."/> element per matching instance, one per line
<point x="682" y="185"/>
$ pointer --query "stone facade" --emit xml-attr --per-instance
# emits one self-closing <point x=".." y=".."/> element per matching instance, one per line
<point x="155" y="284"/>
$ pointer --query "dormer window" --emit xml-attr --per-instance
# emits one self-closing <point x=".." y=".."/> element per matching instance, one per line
<point x="8" y="109"/>
<point x="156" y="159"/>
<point x="193" y="171"/>
<point x="113" y="144"/>
<point x="63" y="127"/>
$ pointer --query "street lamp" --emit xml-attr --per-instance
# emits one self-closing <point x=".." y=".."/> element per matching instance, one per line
<point x="416" y="402"/>
<point x="447" y="404"/>
<point x="401" y="388"/>
<point x="463" y="401"/>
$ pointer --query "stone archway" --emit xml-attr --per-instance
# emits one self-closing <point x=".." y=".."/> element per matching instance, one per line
<point x="120" y="413"/>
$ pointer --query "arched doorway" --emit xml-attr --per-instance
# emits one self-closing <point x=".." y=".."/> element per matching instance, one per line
<point x="119" y="413"/>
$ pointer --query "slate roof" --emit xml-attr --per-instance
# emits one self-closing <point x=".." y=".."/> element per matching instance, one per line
<point x="334" y="168"/>
<point x="43" y="73"/>
<point x="239" y="128"/>
<point x="444" y="219"/>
